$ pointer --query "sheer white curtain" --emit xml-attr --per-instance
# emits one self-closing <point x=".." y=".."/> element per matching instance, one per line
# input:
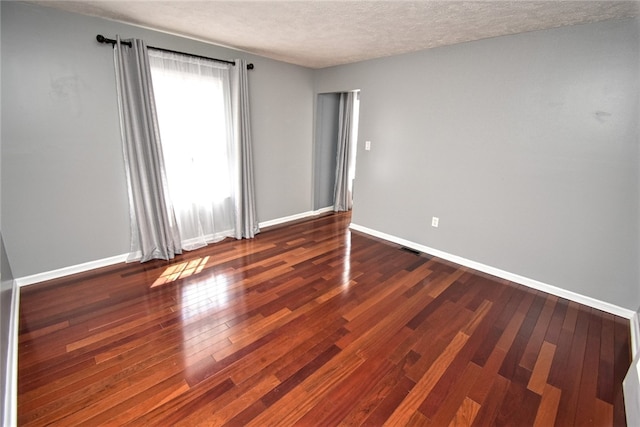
<point x="194" y="113"/>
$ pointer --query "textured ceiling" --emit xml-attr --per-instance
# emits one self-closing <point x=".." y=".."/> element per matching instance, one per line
<point x="320" y="34"/>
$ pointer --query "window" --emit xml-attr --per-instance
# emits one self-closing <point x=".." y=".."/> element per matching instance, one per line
<point x="192" y="100"/>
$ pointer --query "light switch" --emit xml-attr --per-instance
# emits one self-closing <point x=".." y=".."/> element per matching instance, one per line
<point x="367" y="145"/>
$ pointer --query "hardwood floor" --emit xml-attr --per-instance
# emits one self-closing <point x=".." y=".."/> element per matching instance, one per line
<point x="311" y="324"/>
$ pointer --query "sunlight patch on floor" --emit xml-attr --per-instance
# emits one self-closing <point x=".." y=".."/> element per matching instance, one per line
<point x="180" y="271"/>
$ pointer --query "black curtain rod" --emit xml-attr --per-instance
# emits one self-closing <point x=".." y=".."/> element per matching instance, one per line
<point x="103" y="39"/>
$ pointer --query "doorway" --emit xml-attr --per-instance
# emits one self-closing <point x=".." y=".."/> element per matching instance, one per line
<point x="335" y="164"/>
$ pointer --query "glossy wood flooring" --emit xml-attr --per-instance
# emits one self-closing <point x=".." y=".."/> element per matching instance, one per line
<point x="310" y="324"/>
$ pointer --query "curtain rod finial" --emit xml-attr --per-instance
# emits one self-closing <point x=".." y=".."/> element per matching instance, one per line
<point x="249" y="66"/>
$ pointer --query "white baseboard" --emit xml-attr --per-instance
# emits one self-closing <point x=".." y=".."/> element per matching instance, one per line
<point x="635" y="334"/>
<point x="11" y="385"/>
<point x="323" y="210"/>
<point x="67" y="271"/>
<point x="295" y="217"/>
<point x="531" y="283"/>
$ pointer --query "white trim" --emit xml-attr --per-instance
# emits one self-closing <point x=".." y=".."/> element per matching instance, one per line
<point x="531" y="283"/>
<point x="295" y="217"/>
<point x="635" y="334"/>
<point x="323" y="210"/>
<point x="631" y="390"/>
<point x="11" y="386"/>
<point x="66" y="271"/>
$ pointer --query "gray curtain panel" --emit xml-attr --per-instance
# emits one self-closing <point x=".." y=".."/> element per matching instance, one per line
<point x="154" y="233"/>
<point x="342" y="200"/>
<point x="246" y="220"/>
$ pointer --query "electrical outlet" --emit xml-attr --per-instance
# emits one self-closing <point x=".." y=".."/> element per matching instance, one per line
<point x="367" y="145"/>
<point x="435" y="221"/>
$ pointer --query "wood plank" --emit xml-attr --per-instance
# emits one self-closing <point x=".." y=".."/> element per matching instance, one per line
<point x="483" y="386"/>
<point x="548" y="409"/>
<point x="530" y="354"/>
<point x="570" y="385"/>
<point x="621" y="366"/>
<point x="416" y="396"/>
<point x="466" y="414"/>
<point x="490" y="406"/>
<point x="519" y="406"/>
<point x="607" y="356"/>
<point x="333" y="409"/>
<point x="391" y="401"/>
<point x="603" y="413"/>
<point x="452" y="404"/>
<point x="589" y="380"/>
<point x="540" y="373"/>
<point x="373" y="406"/>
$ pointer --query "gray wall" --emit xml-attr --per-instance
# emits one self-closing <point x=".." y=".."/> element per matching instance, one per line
<point x="64" y="200"/>
<point x="525" y="147"/>
<point x="325" y="149"/>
